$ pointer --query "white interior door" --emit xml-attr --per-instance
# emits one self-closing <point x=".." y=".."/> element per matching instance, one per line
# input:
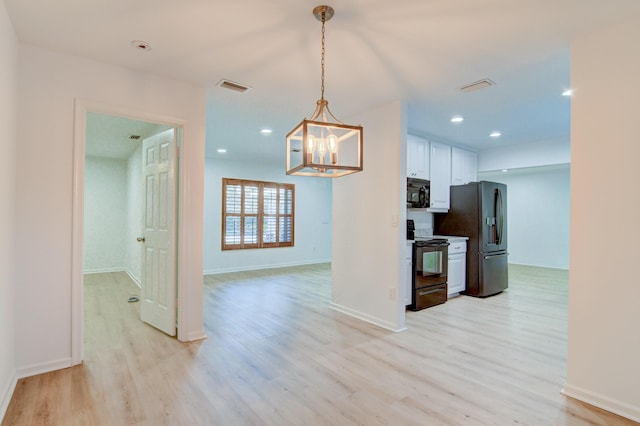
<point x="158" y="306"/>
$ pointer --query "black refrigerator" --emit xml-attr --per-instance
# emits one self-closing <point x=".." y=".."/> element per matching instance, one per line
<point x="478" y="210"/>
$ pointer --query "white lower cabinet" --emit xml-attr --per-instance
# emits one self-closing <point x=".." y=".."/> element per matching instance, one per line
<point x="457" y="268"/>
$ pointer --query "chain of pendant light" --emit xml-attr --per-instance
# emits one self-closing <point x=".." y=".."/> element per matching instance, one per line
<point x="322" y="60"/>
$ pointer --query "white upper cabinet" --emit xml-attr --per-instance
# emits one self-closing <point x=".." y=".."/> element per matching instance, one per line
<point x="417" y="157"/>
<point x="440" y="165"/>
<point x="464" y="166"/>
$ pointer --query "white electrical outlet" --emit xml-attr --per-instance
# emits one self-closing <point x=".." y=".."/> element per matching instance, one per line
<point x="392" y="293"/>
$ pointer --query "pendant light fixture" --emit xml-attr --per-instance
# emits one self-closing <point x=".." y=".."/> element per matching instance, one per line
<point x="323" y="145"/>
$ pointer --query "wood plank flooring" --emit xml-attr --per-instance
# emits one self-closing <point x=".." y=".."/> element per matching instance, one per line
<point x="276" y="355"/>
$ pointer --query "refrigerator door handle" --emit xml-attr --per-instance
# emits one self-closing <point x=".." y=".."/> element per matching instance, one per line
<point x="493" y="256"/>
<point x="500" y="214"/>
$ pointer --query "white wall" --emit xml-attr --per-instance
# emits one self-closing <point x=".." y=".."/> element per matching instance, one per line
<point x="312" y="219"/>
<point x="542" y="153"/>
<point x="49" y="85"/>
<point x="105" y="214"/>
<point x="538" y="216"/>
<point x="604" y="290"/>
<point x="8" y="142"/>
<point x="369" y="228"/>
<point x="538" y="195"/>
<point x="133" y="261"/>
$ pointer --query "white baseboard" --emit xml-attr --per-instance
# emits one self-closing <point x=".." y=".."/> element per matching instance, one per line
<point x="194" y="336"/>
<point x="539" y="266"/>
<point x="258" y="267"/>
<point x="7" y="393"/>
<point x="135" y="279"/>
<point x="101" y="271"/>
<point x="366" y="317"/>
<point x="44" y="367"/>
<point x="601" y="401"/>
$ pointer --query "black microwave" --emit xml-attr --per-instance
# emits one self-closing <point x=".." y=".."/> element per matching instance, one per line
<point x="417" y="193"/>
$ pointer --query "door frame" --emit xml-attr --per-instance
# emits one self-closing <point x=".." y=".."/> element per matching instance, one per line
<point x="82" y="107"/>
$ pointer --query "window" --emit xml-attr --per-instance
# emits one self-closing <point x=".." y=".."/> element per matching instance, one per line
<point x="256" y="214"/>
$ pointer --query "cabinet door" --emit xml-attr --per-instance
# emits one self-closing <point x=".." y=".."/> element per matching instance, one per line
<point x="464" y="166"/>
<point x="469" y="166"/>
<point x="417" y="157"/>
<point x="440" y="160"/>
<point x="457" y="166"/>
<point x="456" y="281"/>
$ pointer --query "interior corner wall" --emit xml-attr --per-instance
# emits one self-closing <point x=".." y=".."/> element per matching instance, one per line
<point x="49" y="85"/>
<point x="8" y="146"/>
<point x="369" y="235"/>
<point x="538" y="217"/>
<point x="604" y="343"/>
<point x="312" y="231"/>
<point x="105" y="214"/>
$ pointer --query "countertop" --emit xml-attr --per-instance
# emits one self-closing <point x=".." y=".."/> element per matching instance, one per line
<point x="450" y="238"/>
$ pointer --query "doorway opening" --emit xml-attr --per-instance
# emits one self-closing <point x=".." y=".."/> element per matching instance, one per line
<point x="126" y="173"/>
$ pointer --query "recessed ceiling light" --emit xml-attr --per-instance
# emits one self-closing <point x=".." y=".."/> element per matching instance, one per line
<point x="495" y="134"/>
<point x="266" y="131"/>
<point x="504" y="170"/>
<point x="457" y="119"/>
<point x="141" y="45"/>
<point x="567" y="92"/>
<point x="222" y="151"/>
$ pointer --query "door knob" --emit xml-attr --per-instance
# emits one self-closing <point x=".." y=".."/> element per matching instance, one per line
<point x="140" y="239"/>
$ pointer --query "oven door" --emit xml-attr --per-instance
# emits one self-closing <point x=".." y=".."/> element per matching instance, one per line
<point x="429" y="264"/>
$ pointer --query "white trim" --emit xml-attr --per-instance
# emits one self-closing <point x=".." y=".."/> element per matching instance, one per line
<point x="77" y="233"/>
<point x="366" y="317"/>
<point x="258" y="267"/>
<point x="601" y="401"/>
<point x="102" y="271"/>
<point x="196" y="335"/>
<point x="82" y="106"/>
<point x="134" y="278"/>
<point x="43" y="367"/>
<point x="7" y="393"/>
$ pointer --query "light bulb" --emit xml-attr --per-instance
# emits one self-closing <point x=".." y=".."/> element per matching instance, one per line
<point x="333" y="148"/>
<point x="322" y="149"/>
<point x="310" y="142"/>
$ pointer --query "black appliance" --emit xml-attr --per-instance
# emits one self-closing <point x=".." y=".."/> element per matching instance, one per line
<point x="429" y="278"/>
<point x="478" y="210"/>
<point x="411" y="229"/>
<point x="417" y="193"/>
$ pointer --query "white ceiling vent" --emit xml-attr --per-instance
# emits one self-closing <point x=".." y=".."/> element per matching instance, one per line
<point x="477" y="85"/>
<point x="231" y="85"/>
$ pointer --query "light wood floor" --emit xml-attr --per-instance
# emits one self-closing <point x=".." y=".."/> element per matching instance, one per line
<point x="276" y="355"/>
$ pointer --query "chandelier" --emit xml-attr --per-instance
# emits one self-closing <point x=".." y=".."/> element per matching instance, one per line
<point x="323" y="145"/>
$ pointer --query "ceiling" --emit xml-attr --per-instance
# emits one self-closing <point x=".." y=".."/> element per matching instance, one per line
<point x="110" y="137"/>
<point x="417" y="51"/>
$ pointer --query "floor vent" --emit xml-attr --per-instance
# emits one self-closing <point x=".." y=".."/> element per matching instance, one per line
<point x="228" y="84"/>
<point x="477" y="85"/>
